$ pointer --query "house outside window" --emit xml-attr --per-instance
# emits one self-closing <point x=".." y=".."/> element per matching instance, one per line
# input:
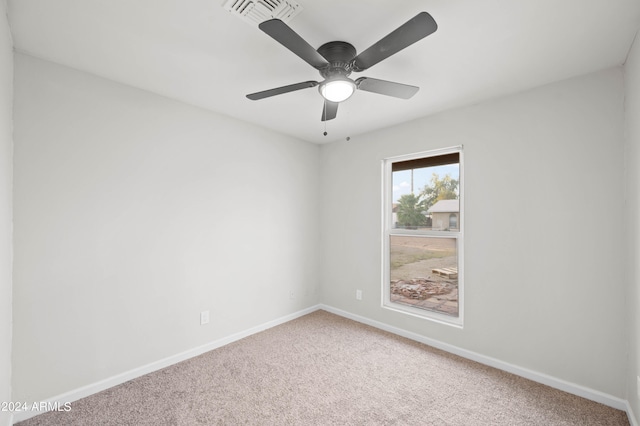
<point x="444" y="215"/>
<point x="423" y="235"/>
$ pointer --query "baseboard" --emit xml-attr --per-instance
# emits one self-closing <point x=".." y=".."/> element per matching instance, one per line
<point x="545" y="379"/>
<point x="83" y="392"/>
<point x="631" y="415"/>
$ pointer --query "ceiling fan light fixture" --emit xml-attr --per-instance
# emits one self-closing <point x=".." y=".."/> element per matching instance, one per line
<point x="337" y="89"/>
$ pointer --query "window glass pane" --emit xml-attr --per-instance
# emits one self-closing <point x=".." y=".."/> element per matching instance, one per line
<point x="424" y="273"/>
<point x="426" y="198"/>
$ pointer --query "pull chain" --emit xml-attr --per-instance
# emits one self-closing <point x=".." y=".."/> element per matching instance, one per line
<point x="324" y="112"/>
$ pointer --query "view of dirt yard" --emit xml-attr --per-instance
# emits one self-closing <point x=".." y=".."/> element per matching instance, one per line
<point x="413" y="280"/>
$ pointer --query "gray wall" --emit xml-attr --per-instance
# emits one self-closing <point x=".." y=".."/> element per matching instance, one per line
<point x="133" y="213"/>
<point x="632" y="180"/>
<point x="544" y="282"/>
<point x="6" y="164"/>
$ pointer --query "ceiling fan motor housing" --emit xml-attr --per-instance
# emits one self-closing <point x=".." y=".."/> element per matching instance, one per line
<point x="340" y="55"/>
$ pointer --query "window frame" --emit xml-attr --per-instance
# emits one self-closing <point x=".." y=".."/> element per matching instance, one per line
<point x="388" y="231"/>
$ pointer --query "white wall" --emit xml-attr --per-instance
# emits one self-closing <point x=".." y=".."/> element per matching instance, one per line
<point x="632" y="180"/>
<point x="545" y="297"/>
<point x="6" y="164"/>
<point x="133" y="213"/>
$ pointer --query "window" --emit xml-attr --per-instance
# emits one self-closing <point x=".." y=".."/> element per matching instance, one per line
<point x="453" y="221"/>
<point x="423" y="235"/>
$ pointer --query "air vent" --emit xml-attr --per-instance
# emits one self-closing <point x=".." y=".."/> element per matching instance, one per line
<point x="257" y="11"/>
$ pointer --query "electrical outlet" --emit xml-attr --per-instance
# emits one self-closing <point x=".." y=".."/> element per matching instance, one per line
<point x="204" y="317"/>
<point x="292" y="295"/>
<point x="638" y="390"/>
<point x="358" y="294"/>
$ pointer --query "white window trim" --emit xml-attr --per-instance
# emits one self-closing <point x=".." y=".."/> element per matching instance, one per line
<point x="388" y="230"/>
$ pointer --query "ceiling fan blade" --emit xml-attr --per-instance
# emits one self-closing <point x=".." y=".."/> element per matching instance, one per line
<point x="280" y="90"/>
<point x="408" y="33"/>
<point x="284" y="35"/>
<point x="384" y="87"/>
<point x="329" y="111"/>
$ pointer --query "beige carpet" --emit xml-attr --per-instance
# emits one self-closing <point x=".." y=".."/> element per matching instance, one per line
<point x="322" y="369"/>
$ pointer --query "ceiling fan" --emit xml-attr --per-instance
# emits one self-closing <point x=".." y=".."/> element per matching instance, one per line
<point x="337" y="59"/>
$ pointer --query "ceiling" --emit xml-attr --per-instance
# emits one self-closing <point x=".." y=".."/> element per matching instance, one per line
<point x="197" y="52"/>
